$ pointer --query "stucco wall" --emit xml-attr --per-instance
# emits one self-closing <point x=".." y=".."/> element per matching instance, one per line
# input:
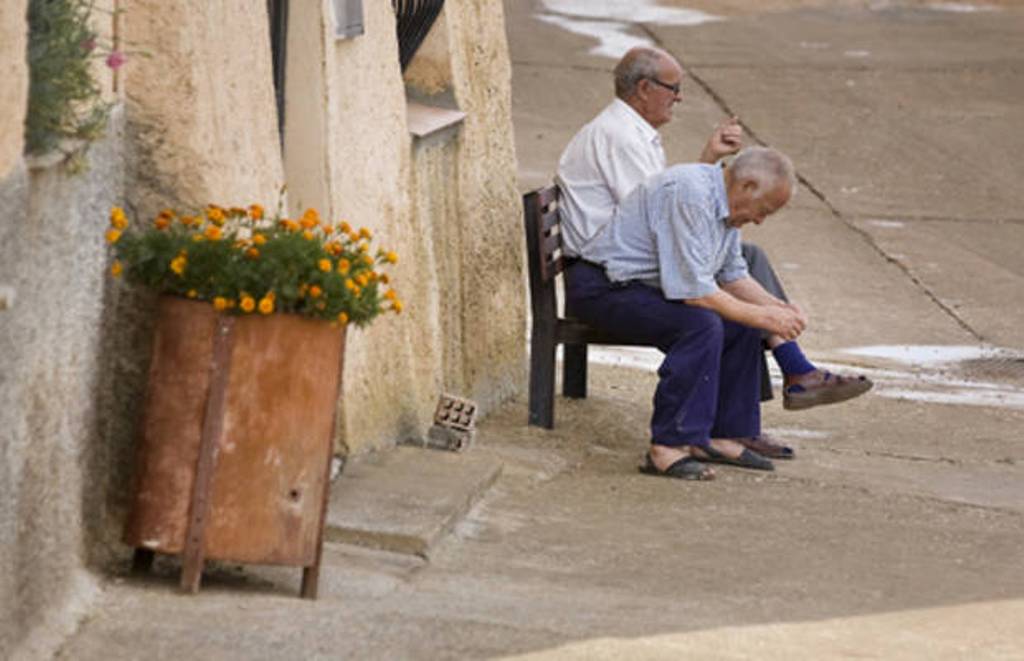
<point x="201" y="111"/>
<point x="13" y="82"/>
<point x="52" y="488"/>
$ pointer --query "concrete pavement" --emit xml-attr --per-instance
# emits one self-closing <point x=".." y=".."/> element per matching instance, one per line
<point x="897" y="531"/>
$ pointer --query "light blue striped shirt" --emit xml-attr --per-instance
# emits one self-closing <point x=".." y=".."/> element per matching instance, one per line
<point x="671" y="233"/>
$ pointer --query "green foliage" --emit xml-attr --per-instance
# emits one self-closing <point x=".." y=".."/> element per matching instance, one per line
<point x="244" y="263"/>
<point x="64" y="100"/>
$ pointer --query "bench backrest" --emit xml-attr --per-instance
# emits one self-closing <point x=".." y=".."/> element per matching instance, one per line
<point x="544" y="250"/>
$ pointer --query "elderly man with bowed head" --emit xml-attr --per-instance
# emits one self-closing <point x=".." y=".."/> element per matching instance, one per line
<point x="667" y="270"/>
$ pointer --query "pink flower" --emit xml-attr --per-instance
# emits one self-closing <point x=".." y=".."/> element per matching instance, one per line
<point x="115" y="60"/>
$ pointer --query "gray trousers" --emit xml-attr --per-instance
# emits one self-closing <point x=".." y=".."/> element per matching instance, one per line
<point x="761" y="270"/>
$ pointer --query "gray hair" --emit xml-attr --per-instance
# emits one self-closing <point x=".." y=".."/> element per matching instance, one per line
<point x="637" y="64"/>
<point x="768" y="167"/>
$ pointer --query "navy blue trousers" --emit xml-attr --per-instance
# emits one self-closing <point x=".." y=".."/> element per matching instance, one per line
<point x="709" y="382"/>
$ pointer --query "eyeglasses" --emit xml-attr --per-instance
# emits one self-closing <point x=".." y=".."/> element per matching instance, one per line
<point x="675" y="89"/>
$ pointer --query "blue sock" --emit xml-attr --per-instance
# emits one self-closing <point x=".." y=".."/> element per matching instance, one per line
<point x="791" y="359"/>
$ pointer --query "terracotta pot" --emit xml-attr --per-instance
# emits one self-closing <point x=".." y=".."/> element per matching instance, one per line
<point x="259" y="394"/>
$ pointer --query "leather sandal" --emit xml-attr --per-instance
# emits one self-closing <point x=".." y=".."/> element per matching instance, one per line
<point x="687" y="468"/>
<point x="829" y="389"/>
<point x="766" y="446"/>
<point x="747" y="459"/>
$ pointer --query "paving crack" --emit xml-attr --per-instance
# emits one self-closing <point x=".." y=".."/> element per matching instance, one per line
<point x="816" y="192"/>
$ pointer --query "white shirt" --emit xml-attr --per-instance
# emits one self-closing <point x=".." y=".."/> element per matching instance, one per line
<point x="603" y="163"/>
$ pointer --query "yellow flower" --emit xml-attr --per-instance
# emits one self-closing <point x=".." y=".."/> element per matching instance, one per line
<point x="365" y="233"/>
<point x="161" y="223"/>
<point x="392" y="257"/>
<point x="113" y="235"/>
<point x="117" y="218"/>
<point x="315" y="291"/>
<point x="192" y="293"/>
<point x="189" y="221"/>
<point x="334" y="248"/>
<point x="259" y="239"/>
<point x="343" y="266"/>
<point x="349" y="285"/>
<point x="397" y="306"/>
<point x="252" y="253"/>
<point x="342" y="318"/>
<point x="325" y="265"/>
<point x="361" y="279"/>
<point x="197" y="238"/>
<point x="307" y="235"/>
<point x="213" y="233"/>
<point x="116" y="269"/>
<point x="215" y="214"/>
<point x="220" y="303"/>
<point x="266" y="305"/>
<point x="255" y="211"/>
<point x="344" y="228"/>
<point x="353" y="236"/>
<point x="364" y="246"/>
<point x="368" y="259"/>
<point x="391" y="295"/>
<point x="310" y="219"/>
<point x="178" y="264"/>
<point x="248" y="303"/>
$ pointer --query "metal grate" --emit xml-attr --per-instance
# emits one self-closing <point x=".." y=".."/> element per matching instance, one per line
<point x="414" y="18"/>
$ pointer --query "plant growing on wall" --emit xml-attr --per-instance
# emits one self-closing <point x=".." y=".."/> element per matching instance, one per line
<point x="65" y="108"/>
<point x="245" y="263"/>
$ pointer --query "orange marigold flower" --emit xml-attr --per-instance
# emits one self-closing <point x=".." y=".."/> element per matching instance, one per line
<point x="384" y="278"/>
<point x="116" y="269"/>
<point x="252" y="253"/>
<point x="392" y="257"/>
<point x="361" y="279"/>
<point x="237" y="211"/>
<point x="349" y="285"/>
<point x="334" y="248"/>
<point x="325" y="265"/>
<point x="178" y="264"/>
<point x="117" y="218"/>
<point x="315" y="291"/>
<point x="310" y="218"/>
<point x="307" y="235"/>
<point x="255" y="211"/>
<point x="220" y="303"/>
<point x="266" y="305"/>
<point x="364" y="247"/>
<point x="342" y="318"/>
<point x="344" y="227"/>
<point x="161" y="223"/>
<point x="215" y="214"/>
<point x="353" y="236"/>
<point x="303" y="288"/>
<point x="248" y="304"/>
<point x="197" y="238"/>
<point x="213" y="233"/>
<point x="397" y="306"/>
<point x="343" y="266"/>
<point x="391" y="295"/>
<point x="113" y="235"/>
<point x="166" y="213"/>
<point x="259" y="239"/>
<point x="368" y="259"/>
<point x="365" y="233"/>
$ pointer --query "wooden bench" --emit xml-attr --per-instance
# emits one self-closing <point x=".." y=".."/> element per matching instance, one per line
<point x="546" y="263"/>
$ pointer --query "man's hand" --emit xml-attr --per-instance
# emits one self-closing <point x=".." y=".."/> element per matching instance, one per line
<point x="726" y="139"/>
<point x="786" y="322"/>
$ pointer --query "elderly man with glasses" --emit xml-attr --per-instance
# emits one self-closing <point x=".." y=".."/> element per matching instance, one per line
<point x="621" y="148"/>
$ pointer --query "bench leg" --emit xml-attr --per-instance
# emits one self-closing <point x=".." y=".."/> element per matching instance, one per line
<point x="574" y="371"/>
<point x="542" y="379"/>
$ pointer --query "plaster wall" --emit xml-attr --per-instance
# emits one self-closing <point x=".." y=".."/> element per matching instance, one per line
<point x="52" y="475"/>
<point x="13" y="82"/>
<point x="201" y="111"/>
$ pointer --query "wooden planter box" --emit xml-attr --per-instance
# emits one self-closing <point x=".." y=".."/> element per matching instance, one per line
<point x="233" y="458"/>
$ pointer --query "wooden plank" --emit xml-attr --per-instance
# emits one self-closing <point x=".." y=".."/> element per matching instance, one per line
<point x="213" y="429"/>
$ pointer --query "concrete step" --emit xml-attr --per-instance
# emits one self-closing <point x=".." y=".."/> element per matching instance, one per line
<point x="406" y="499"/>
